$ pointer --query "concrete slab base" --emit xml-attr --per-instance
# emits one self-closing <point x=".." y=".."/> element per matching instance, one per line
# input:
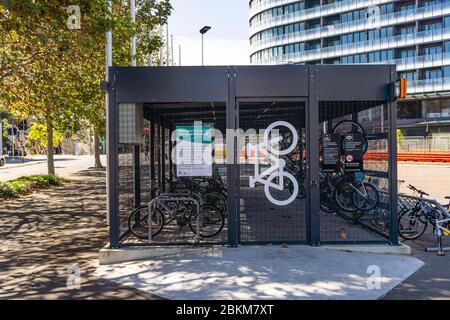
<point x="402" y="249"/>
<point x="270" y="272"/>
<point x="111" y="256"/>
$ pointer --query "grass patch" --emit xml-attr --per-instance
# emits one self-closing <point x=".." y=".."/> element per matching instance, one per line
<point x="24" y="185"/>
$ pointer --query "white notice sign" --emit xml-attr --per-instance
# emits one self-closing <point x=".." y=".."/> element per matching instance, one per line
<point x="194" y="151"/>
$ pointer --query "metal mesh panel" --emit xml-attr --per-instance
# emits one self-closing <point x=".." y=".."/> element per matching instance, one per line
<point x="357" y="225"/>
<point x="158" y="174"/>
<point x="145" y="181"/>
<point x="269" y="213"/>
<point x="129" y="134"/>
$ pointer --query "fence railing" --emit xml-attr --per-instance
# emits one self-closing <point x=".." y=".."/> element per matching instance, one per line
<point x="425" y="145"/>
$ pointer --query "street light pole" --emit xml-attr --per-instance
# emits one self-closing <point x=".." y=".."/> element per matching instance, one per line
<point x="133" y="38"/>
<point x="167" y="44"/>
<point x="171" y="52"/>
<point x="204" y="30"/>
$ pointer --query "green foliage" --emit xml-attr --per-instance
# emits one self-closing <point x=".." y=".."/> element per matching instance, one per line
<point x="27" y="184"/>
<point x="37" y="136"/>
<point x="51" y="73"/>
<point x="400" y="137"/>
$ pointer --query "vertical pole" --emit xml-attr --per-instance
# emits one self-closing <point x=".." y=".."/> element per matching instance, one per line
<point x="392" y="150"/>
<point x="160" y="156"/>
<point x="167" y="44"/>
<point x="179" y="55"/>
<point x="112" y="183"/>
<point x="133" y="38"/>
<point x="137" y="176"/>
<point x="170" y="153"/>
<point x="13" y="138"/>
<point x="171" y="45"/>
<point x="312" y="171"/>
<point x="163" y="155"/>
<point x="202" y="52"/>
<point x="231" y="161"/>
<point x="161" y="52"/>
<point x="150" y="62"/>
<point x="1" y="138"/>
<point x="152" y="156"/>
<point x="108" y="53"/>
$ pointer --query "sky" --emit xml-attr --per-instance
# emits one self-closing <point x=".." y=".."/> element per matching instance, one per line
<point x="226" y="43"/>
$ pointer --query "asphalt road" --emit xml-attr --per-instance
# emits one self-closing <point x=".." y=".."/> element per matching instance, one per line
<point x="65" y="166"/>
<point x="433" y="178"/>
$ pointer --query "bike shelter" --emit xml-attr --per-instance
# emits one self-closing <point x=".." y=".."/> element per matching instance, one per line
<point x="275" y="191"/>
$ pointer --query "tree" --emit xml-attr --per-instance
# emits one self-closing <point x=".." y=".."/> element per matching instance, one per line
<point x="52" y="73"/>
<point x="37" y="136"/>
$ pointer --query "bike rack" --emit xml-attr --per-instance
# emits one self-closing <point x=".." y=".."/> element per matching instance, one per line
<point x="409" y="201"/>
<point x="172" y="197"/>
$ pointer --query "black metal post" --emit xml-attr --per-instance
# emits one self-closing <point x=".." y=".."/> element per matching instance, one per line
<point x="160" y="155"/>
<point x="231" y="161"/>
<point x="112" y="150"/>
<point x="137" y="176"/>
<point x="170" y="153"/>
<point x="152" y="156"/>
<point x="312" y="171"/>
<point x="392" y="146"/>
<point x="163" y="154"/>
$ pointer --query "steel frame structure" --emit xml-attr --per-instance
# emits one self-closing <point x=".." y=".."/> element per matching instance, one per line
<point x="232" y="85"/>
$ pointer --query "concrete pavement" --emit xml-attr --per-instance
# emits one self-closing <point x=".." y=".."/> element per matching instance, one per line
<point x="266" y="272"/>
<point x="46" y="232"/>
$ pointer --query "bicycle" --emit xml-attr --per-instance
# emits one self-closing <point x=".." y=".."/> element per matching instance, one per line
<point x="413" y="221"/>
<point x="212" y="191"/>
<point x="276" y="171"/>
<point x="179" y="208"/>
<point x="353" y="193"/>
<point x="327" y="183"/>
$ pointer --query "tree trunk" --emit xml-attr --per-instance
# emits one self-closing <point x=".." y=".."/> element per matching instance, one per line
<point x="98" y="163"/>
<point x="50" y="160"/>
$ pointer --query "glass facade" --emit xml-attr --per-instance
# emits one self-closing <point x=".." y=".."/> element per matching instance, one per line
<point x="413" y="34"/>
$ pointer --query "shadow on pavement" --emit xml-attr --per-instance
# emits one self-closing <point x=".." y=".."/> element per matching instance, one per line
<point x="432" y="281"/>
<point x="47" y="235"/>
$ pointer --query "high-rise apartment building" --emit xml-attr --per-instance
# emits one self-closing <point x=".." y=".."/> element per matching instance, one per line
<point x="413" y="34"/>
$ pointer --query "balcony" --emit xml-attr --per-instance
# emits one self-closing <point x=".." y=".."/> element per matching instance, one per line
<point x="354" y="26"/>
<point x="306" y="14"/>
<point x="359" y="47"/>
<point x="420" y="62"/>
<point x="428" y="86"/>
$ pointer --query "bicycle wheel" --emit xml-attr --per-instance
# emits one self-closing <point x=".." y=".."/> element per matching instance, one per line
<point x="138" y="222"/>
<point x="217" y="200"/>
<point x="301" y="187"/>
<point x="211" y="222"/>
<point x="327" y="203"/>
<point x="410" y="225"/>
<point x="349" y="126"/>
<point x="343" y="196"/>
<point x="353" y="216"/>
<point x="367" y="199"/>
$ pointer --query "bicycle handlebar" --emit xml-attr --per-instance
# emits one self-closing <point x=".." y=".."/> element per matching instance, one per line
<point x="421" y="192"/>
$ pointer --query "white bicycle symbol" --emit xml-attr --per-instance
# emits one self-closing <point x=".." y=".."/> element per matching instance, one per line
<point x="277" y="169"/>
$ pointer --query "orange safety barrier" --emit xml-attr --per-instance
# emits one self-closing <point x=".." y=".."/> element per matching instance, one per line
<point x="443" y="157"/>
